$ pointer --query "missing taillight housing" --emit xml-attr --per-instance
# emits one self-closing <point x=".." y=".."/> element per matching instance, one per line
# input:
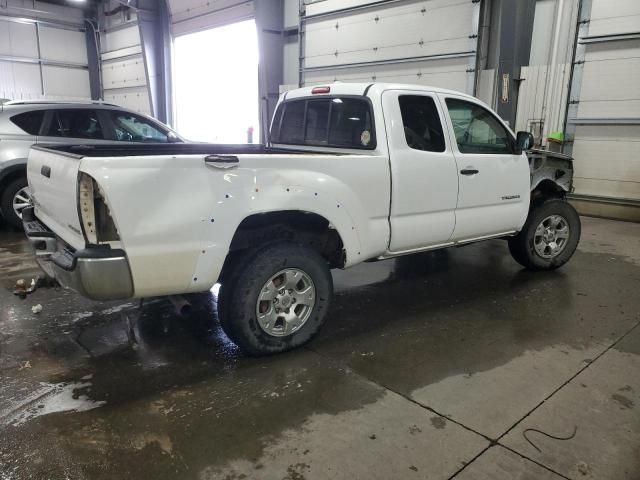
<point x="97" y="224"/>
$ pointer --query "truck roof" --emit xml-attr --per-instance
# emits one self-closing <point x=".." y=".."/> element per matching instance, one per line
<point x="347" y="88"/>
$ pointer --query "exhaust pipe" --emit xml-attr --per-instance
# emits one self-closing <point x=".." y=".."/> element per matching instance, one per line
<point x="181" y="305"/>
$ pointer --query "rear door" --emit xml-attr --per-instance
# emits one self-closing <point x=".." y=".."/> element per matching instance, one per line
<point x="494" y="181"/>
<point x="423" y="171"/>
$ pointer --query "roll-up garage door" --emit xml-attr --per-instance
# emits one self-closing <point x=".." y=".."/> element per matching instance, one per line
<point x="604" y="115"/>
<point x="189" y="16"/>
<point x="430" y="42"/>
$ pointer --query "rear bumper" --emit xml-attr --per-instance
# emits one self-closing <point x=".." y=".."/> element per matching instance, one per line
<point x="97" y="273"/>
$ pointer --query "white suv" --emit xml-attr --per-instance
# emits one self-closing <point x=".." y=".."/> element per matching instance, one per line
<point x="24" y="123"/>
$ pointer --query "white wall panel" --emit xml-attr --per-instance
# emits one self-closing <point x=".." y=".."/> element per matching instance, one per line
<point x="66" y="82"/>
<point x="19" y="81"/>
<point x="18" y="39"/>
<point x="63" y="45"/>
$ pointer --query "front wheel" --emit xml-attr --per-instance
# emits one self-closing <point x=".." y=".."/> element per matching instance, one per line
<point x="549" y="237"/>
<point x="275" y="300"/>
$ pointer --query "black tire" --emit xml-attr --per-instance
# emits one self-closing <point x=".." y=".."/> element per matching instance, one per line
<point x="522" y="246"/>
<point x="6" y="202"/>
<point x="238" y="297"/>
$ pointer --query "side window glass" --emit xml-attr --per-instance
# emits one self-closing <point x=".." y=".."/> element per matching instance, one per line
<point x="134" y="128"/>
<point x="75" y="123"/>
<point x="477" y="130"/>
<point x="30" y="122"/>
<point x="421" y="122"/>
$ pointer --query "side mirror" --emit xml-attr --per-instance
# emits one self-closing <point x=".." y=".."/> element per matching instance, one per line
<point x="172" y="138"/>
<point x="524" y="141"/>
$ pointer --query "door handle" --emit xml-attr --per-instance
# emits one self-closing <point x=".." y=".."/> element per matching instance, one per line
<point x="469" y="171"/>
<point x="46" y="171"/>
<point x="222" y="161"/>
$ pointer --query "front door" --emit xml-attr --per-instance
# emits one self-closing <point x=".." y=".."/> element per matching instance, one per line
<point x="423" y="171"/>
<point x="494" y="180"/>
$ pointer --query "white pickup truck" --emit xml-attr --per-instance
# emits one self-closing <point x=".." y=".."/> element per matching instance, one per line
<point x="354" y="172"/>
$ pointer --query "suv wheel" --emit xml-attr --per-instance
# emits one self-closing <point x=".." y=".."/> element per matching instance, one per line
<point x="275" y="300"/>
<point x="549" y="237"/>
<point x="15" y="198"/>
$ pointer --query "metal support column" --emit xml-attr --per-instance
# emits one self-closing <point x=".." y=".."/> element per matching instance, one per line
<point x="153" y="22"/>
<point x="515" y="30"/>
<point x="93" y="59"/>
<point x="270" y="26"/>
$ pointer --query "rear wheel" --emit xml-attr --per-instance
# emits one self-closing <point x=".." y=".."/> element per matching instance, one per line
<point x="276" y="299"/>
<point x="549" y="237"/>
<point x="15" y="198"/>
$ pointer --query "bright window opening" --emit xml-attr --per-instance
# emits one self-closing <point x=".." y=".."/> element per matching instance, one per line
<point x="216" y="84"/>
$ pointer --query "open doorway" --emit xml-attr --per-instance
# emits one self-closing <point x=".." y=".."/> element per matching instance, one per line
<point x="216" y="84"/>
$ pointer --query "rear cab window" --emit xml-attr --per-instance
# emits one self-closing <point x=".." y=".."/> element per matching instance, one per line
<point x="30" y="122"/>
<point x="329" y="121"/>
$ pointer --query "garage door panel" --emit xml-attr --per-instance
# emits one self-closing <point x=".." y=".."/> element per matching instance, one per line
<point x="608" y="188"/>
<point x="400" y="31"/>
<point x="445" y="73"/>
<point x="386" y="54"/>
<point x="614" y="16"/>
<point x="385" y="36"/>
<point x="618" y="50"/>
<point x="609" y="109"/>
<point x="615" y="79"/>
<point x="124" y="73"/>
<point x="612" y="162"/>
<point x="606" y="160"/>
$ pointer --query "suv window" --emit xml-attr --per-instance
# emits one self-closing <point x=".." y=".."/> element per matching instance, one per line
<point x="134" y="128"/>
<point x="477" y="130"/>
<point x="422" y="126"/>
<point x="75" y="123"/>
<point x="339" y="122"/>
<point x="30" y="122"/>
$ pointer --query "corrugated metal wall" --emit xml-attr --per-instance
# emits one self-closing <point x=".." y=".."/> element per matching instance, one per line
<point x="43" y="52"/>
<point x="431" y="42"/>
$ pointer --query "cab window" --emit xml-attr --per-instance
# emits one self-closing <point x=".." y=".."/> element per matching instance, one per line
<point x="421" y="123"/>
<point x="477" y="130"/>
<point x="339" y="122"/>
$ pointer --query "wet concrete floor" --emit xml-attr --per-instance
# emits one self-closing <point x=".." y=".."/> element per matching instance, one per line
<point x="454" y="364"/>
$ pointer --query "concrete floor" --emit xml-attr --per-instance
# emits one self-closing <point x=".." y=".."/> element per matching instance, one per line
<point x="454" y="364"/>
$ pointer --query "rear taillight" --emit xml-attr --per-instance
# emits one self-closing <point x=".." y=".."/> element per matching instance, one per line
<point x="97" y="224"/>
